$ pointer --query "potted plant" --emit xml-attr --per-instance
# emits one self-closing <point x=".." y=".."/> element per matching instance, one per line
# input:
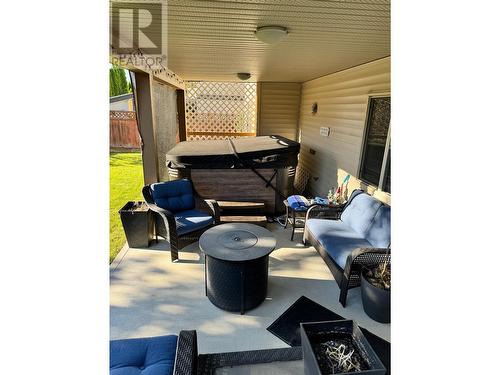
<point x="376" y="291"/>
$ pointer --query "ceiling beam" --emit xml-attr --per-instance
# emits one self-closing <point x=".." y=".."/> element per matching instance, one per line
<point x="143" y="63"/>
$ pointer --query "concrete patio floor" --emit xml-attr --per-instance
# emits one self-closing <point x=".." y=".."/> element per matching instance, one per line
<point x="150" y="295"/>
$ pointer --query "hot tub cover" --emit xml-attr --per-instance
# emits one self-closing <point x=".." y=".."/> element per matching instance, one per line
<point x="253" y="152"/>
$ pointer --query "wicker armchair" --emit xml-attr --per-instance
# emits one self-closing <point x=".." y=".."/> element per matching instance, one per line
<point x="186" y="219"/>
<point x="346" y="275"/>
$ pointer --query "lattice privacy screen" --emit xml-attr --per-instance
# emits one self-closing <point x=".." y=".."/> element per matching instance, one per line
<point x="218" y="110"/>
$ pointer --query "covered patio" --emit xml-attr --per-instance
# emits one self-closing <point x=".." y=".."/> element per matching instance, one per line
<point x="150" y="296"/>
<point x="309" y="77"/>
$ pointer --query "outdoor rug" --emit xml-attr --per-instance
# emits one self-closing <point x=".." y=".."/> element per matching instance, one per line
<point x="305" y="310"/>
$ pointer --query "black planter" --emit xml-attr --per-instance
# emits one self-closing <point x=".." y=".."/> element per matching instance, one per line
<point x="376" y="301"/>
<point x="313" y="334"/>
<point x="137" y="221"/>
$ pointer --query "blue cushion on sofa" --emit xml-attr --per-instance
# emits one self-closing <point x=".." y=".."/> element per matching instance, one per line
<point x="144" y="356"/>
<point x="379" y="233"/>
<point x="174" y="196"/>
<point x="191" y="220"/>
<point x="337" y="238"/>
<point x="360" y="212"/>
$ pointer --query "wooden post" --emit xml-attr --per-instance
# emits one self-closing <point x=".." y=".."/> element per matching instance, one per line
<point x="181" y="115"/>
<point x="145" y="119"/>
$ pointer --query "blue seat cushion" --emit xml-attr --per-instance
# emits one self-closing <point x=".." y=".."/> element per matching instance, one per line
<point x="360" y="212"/>
<point x="191" y="220"/>
<point x="337" y="238"/>
<point x="143" y="356"/>
<point x="174" y="196"/>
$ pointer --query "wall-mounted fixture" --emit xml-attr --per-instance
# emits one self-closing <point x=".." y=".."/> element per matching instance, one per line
<point x="243" y="76"/>
<point x="271" y="34"/>
<point x="324" y="131"/>
<point x="314" y="108"/>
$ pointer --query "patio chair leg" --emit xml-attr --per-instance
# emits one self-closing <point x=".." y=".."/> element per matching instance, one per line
<point x="174" y="253"/>
<point x="344" y="288"/>
<point x="343" y="297"/>
<point x="156" y="233"/>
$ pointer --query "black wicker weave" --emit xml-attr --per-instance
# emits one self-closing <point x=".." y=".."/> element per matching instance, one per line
<point x="165" y="225"/>
<point x="208" y="363"/>
<point x="350" y="276"/>
<point x="186" y="357"/>
<point x="236" y="286"/>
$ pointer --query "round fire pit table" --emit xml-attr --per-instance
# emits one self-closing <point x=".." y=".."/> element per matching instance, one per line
<point x="236" y="265"/>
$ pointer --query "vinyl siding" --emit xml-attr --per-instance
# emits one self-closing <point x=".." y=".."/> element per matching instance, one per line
<point x="342" y="105"/>
<point x="278" y="109"/>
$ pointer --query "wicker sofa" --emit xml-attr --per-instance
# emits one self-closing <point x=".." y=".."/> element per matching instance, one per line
<point x="360" y="238"/>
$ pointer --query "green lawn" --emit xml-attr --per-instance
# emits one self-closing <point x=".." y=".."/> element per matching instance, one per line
<point x="125" y="184"/>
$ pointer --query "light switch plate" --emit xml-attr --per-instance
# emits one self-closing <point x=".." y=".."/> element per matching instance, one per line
<point x="324" y="131"/>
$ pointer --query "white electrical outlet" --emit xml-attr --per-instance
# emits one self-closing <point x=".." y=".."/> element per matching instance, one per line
<point x="324" y="131"/>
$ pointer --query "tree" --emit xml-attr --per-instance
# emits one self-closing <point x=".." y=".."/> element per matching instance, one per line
<point x="118" y="83"/>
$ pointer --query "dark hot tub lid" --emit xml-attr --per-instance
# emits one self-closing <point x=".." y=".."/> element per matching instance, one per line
<point x="258" y="152"/>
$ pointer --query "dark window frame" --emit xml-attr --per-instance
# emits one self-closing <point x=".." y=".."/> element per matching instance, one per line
<point x="381" y="185"/>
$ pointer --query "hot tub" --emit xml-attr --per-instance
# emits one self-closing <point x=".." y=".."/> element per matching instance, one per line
<point x="254" y="169"/>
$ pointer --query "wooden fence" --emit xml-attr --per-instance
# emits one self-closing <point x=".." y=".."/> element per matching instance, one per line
<point x="123" y="131"/>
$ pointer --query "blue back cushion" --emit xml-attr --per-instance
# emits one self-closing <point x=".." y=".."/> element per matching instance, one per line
<point x="174" y="196"/>
<point x="379" y="234"/>
<point x="149" y="355"/>
<point x="360" y="212"/>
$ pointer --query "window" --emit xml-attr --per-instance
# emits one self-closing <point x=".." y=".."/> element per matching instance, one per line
<point x="376" y="157"/>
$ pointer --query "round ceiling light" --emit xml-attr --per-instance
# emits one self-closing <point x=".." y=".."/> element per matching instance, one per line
<point x="271" y="34"/>
<point x="243" y="76"/>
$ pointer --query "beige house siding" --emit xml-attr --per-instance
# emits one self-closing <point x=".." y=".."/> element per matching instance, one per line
<point x="278" y="109"/>
<point x="342" y="106"/>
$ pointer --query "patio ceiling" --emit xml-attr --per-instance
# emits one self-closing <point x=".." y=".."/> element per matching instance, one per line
<point x="213" y="40"/>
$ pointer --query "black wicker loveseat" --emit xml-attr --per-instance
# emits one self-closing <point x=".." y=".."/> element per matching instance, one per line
<point x="359" y="238"/>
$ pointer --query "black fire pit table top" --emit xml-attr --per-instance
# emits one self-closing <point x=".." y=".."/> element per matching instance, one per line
<point x="237" y="242"/>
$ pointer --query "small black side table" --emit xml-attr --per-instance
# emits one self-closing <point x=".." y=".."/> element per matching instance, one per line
<point x="295" y="214"/>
